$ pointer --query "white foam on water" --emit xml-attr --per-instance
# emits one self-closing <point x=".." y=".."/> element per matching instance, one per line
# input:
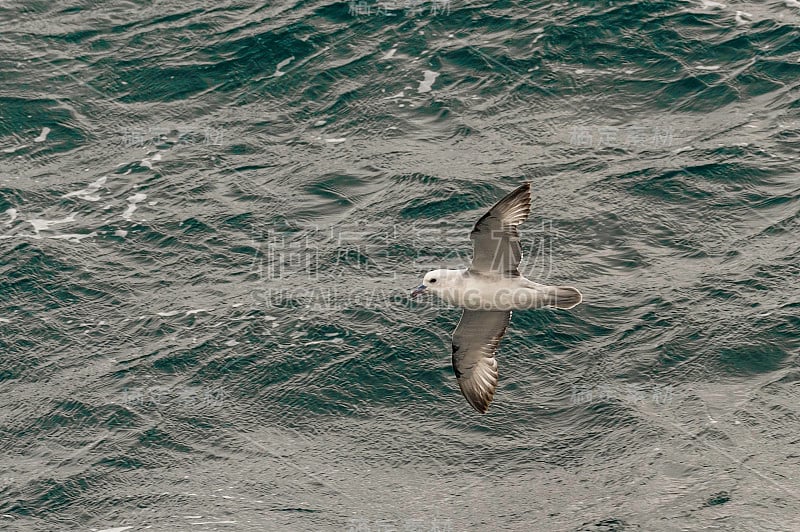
<point x="196" y="311"/>
<point x="426" y="84"/>
<point x="147" y="162"/>
<point x="116" y="529"/>
<point x="168" y="314"/>
<point x="122" y="233"/>
<point x="282" y="64"/>
<point x="14" y="148"/>
<point x="742" y="18"/>
<point x="43" y="135"/>
<point x="12" y="213"/>
<point x="5" y="320"/>
<point x="708" y="4"/>
<point x="40" y="224"/>
<point x="132" y="201"/>
<point x="390" y="54"/>
<point x="317" y="342"/>
<point x="89" y="193"/>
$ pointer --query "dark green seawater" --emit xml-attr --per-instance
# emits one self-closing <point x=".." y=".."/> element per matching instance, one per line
<point x="212" y="214"/>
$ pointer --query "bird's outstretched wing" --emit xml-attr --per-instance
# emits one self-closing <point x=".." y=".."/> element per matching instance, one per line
<point x="475" y="342"/>
<point x="495" y="242"/>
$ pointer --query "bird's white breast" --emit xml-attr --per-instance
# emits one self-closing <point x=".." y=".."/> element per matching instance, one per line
<point x="490" y="292"/>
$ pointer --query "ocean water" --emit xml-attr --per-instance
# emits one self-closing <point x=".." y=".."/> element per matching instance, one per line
<point x="212" y="215"/>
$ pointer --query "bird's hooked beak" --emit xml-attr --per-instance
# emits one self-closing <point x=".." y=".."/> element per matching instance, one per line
<point x="419" y="290"/>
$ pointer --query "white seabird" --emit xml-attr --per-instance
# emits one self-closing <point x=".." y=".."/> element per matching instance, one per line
<point x="488" y="291"/>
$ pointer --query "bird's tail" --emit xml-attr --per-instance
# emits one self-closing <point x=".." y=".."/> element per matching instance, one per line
<point x="561" y="296"/>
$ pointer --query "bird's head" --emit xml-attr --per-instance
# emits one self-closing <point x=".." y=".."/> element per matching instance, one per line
<point x="437" y="281"/>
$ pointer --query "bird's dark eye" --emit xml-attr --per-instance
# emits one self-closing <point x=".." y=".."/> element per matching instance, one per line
<point x="433" y="280"/>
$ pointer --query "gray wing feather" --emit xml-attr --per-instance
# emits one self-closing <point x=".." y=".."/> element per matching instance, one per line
<point x="495" y="241"/>
<point x="475" y="342"/>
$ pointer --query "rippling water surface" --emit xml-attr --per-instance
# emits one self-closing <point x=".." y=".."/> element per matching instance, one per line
<point x="212" y="213"/>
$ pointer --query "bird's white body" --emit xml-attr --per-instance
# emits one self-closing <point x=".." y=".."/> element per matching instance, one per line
<point x="490" y="291"/>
